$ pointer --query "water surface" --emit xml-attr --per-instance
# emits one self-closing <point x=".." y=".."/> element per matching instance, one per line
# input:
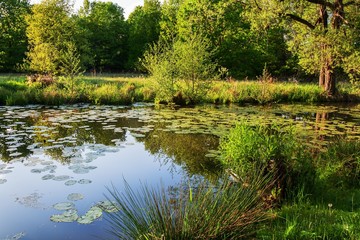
<point x="48" y="153"/>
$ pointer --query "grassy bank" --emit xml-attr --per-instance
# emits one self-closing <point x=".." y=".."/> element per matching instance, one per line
<point x="278" y="189"/>
<point x="126" y="89"/>
<point x="317" y="193"/>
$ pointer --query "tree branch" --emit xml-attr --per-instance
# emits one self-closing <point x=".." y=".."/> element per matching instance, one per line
<point x="300" y="20"/>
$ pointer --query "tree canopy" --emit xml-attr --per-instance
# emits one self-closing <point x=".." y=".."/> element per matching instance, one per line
<point x="321" y="37"/>
<point x="13" y="41"/>
<point x="322" y="34"/>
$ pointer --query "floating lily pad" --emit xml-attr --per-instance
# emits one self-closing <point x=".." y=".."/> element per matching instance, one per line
<point x="84" y="181"/>
<point x="5" y="171"/>
<point x="108" y="206"/>
<point x="2" y="181"/>
<point x="16" y="236"/>
<point x="94" y="213"/>
<point x="81" y="171"/>
<point x="15" y="154"/>
<point x="70" y="182"/>
<point x="68" y="216"/>
<point x="138" y="135"/>
<point x="37" y="170"/>
<point x="48" y="177"/>
<point x="46" y="163"/>
<point x="61" y="178"/>
<point x="50" y="168"/>
<point x="75" y="196"/>
<point x="64" y="206"/>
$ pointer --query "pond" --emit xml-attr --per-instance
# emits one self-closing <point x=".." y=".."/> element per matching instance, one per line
<point x="56" y="162"/>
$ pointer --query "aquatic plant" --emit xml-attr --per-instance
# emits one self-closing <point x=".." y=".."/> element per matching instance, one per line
<point x="225" y="210"/>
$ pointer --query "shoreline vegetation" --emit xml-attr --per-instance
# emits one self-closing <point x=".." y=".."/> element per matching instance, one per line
<point x="125" y="89"/>
<point x="273" y="187"/>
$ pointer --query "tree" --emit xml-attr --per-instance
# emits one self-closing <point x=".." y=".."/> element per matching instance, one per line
<point x="320" y="32"/>
<point x="182" y="70"/>
<point x="50" y="30"/>
<point x="243" y="51"/>
<point x="168" y="22"/>
<point x="144" y="29"/>
<point x="13" y="41"/>
<point x="107" y="33"/>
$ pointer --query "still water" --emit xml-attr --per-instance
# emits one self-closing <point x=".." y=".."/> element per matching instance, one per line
<point x="70" y="154"/>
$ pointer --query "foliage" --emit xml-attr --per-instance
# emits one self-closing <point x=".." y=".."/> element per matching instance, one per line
<point x="203" y="211"/>
<point x="339" y="166"/>
<point x="70" y="66"/>
<point x="272" y="147"/>
<point x="183" y="70"/>
<point x="13" y="41"/>
<point x="144" y="30"/>
<point x="50" y="30"/>
<point x="320" y="33"/>
<point x="107" y="34"/>
<point x="237" y="47"/>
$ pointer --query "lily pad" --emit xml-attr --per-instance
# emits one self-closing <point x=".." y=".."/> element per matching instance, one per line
<point x="2" y="181"/>
<point x="37" y="170"/>
<point x="70" y="182"/>
<point x="75" y="196"/>
<point x="108" y="206"/>
<point x="61" y="178"/>
<point x="81" y="171"/>
<point x="68" y="216"/>
<point x="64" y="206"/>
<point x="48" y="177"/>
<point x="84" y="181"/>
<point x="94" y="213"/>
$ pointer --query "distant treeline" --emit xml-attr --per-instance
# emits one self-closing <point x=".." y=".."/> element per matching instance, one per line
<point x="286" y="37"/>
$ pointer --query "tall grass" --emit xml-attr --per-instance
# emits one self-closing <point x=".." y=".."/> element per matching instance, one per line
<point x="127" y="89"/>
<point x="224" y="210"/>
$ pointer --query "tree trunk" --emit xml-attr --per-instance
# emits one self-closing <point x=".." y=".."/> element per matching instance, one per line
<point x="329" y="86"/>
<point x="322" y="77"/>
<point x="326" y="76"/>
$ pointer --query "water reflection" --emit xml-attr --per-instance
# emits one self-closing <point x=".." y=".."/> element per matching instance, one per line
<point x="49" y="153"/>
<point x="187" y="150"/>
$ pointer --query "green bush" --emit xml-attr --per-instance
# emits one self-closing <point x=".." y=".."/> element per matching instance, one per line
<point x="273" y="147"/>
<point x="182" y="71"/>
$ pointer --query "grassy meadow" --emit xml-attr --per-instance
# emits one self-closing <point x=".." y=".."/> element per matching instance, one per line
<point x="127" y="88"/>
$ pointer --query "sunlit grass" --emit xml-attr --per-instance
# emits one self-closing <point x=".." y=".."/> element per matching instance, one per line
<point x="129" y="88"/>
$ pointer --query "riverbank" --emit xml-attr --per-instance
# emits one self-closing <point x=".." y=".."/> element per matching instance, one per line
<point x="127" y="89"/>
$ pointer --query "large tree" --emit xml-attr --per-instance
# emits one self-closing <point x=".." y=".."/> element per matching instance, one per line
<point x="243" y="51"/>
<point x="107" y="34"/>
<point x="320" y="32"/>
<point x="144" y="29"/>
<point x="13" y="41"/>
<point x="50" y="30"/>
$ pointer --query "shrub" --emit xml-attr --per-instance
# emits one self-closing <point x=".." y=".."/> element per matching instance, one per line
<point x="273" y="147"/>
<point x="184" y="69"/>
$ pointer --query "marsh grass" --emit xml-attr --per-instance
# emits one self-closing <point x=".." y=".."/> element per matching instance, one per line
<point x="225" y="210"/>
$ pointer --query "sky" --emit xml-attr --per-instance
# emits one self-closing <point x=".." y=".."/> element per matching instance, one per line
<point x="127" y="5"/>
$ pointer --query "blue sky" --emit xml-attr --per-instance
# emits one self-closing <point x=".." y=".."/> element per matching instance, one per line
<point x="128" y="5"/>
